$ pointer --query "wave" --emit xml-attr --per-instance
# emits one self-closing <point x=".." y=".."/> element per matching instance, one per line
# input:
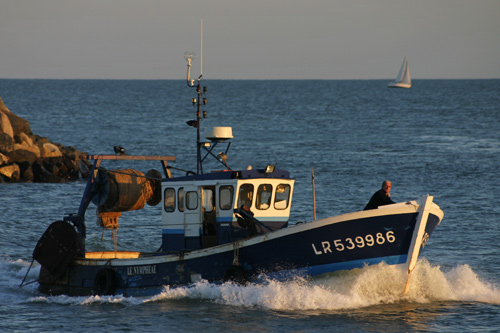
<point x="359" y="288"/>
<point x="371" y="285"/>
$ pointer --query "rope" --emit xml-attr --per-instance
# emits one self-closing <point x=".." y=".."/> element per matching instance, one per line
<point x="236" y="253"/>
<point x="115" y="238"/>
<point x="28" y="283"/>
<point x="29" y="268"/>
<point x="37" y="280"/>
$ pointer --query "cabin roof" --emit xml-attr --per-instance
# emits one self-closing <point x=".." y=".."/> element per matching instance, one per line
<point x="233" y="174"/>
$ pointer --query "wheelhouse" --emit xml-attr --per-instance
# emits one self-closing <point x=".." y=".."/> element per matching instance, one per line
<point x="201" y="211"/>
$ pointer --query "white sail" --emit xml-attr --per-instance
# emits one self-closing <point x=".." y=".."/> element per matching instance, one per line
<point x="403" y="80"/>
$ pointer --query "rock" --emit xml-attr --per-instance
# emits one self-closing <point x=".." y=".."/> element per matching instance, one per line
<point x="10" y="172"/>
<point x="31" y="158"/>
<point x="5" y="125"/>
<point x="23" y="138"/>
<point x="46" y="172"/>
<point x="50" y="150"/>
<point x="25" y="142"/>
<point x="24" y="146"/>
<point x="6" y="143"/>
<point x="21" y="155"/>
<point x="3" y="159"/>
<point x="19" y="125"/>
<point x="40" y="140"/>
<point x="28" y="175"/>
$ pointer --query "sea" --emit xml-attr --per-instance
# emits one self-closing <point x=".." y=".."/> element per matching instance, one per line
<point x="441" y="137"/>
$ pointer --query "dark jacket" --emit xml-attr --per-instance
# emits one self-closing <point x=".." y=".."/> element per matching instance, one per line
<point x="379" y="198"/>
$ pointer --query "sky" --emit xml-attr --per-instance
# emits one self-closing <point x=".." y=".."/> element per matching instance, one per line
<point x="253" y="39"/>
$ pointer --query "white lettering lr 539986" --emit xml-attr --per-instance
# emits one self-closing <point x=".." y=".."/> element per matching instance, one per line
<point x="347" y="244"/>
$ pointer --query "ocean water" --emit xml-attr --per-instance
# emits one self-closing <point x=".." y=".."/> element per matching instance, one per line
<point x="441" y="137"/>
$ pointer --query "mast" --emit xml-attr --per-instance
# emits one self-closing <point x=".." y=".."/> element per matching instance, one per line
<point x="190" y="56"/>
<point x="222" y="135"/>
<point x="199" y="168"/>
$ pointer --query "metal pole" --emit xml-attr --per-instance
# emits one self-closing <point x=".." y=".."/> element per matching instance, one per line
<point x="198" y="111"/>
<point x="314" y="195"/>
<point x="198" y="122"/>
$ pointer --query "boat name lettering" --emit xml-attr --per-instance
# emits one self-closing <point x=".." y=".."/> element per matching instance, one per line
<point x="340" y="245"/>
<point x="141" y="270"/>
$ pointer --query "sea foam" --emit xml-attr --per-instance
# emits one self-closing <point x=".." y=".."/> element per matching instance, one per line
<point x="358" y="288"/>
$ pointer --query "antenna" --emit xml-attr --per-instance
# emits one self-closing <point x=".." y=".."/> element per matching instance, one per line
<point x="201" y="48"/>
<point x="190" y="56"/>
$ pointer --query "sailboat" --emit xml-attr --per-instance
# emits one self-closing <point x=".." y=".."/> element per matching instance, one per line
<point x="403" y="80"/>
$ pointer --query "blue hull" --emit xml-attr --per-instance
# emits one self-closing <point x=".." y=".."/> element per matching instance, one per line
<point x="305" y="250"/>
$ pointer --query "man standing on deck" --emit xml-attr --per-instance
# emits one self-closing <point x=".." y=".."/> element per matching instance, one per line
<point x="381" y="197"/>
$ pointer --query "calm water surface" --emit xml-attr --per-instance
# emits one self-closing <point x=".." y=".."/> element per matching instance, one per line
<point x="440" y="137"/>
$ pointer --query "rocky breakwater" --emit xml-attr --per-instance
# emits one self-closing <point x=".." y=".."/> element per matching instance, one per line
<point x="25" y="157"/>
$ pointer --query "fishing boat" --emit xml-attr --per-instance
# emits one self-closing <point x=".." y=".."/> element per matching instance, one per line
<point x="403" y="80"/>
<point x="222" y="226"/>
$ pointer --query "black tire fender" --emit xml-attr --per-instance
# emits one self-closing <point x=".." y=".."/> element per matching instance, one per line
<point x="105" y="282"/>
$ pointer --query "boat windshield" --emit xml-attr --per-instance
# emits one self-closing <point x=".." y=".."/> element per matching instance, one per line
<point x="245" y="195"/>
<point x="264" y="193"/>
<point x="226" y="194"/>
<point x="282" y="197"/>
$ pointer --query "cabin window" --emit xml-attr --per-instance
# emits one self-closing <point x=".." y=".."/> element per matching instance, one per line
<point x="245" y="195"/>
<point x="226" y="194"/>
<point x="282" y="197"/>
<point x="180" y="199"/>
<point x="169" y="200"/>
<point x="208" y="200"/>
<point x="264" y="193"/>
<point x="192" y="200"/>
